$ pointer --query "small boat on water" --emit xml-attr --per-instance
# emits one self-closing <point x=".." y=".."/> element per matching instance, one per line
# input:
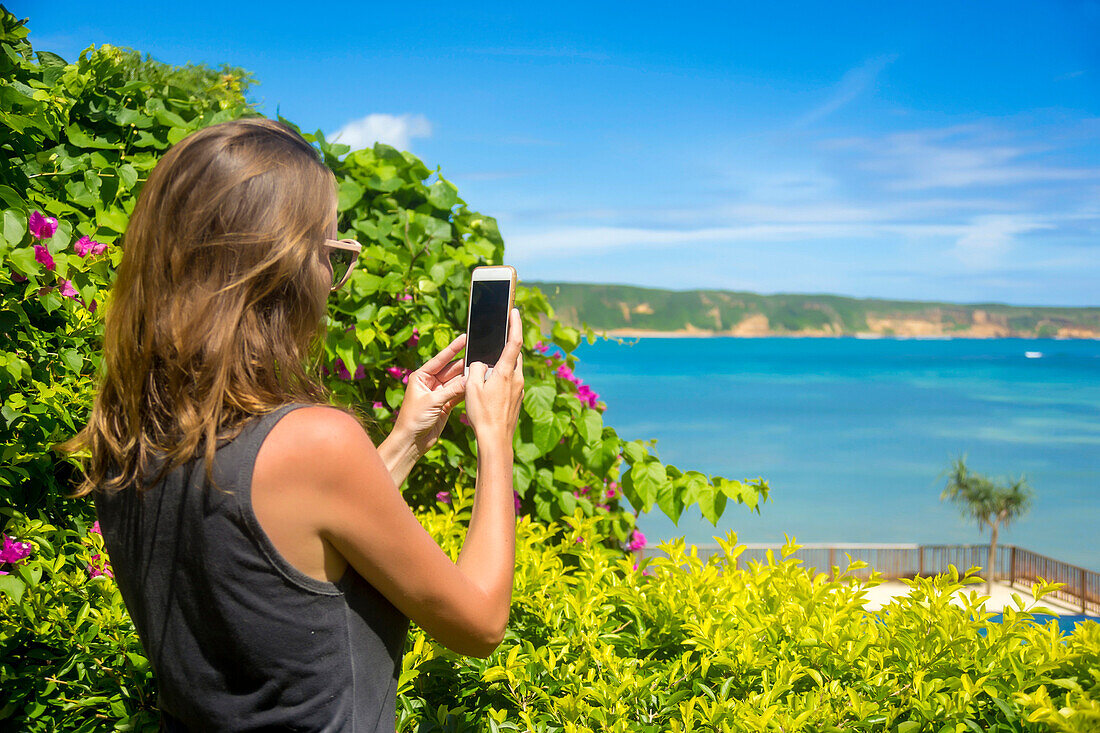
<point x="1033" y="354"/>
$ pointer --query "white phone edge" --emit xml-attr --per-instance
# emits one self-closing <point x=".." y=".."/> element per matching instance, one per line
<point x="487" y="272"/>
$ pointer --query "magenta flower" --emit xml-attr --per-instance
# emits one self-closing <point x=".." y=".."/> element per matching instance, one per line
<point x="377" y="405"/>
<point x="443" y="496"/>
<point x="43" y="257"/>
<point x="92" y="307"/>
<point x="95" y="528"/>
<point x="398" y="372"/>
<point x="463" y="419"/>
<point x="94" y="569"/>
<point x="360" y="372"/>
<point x="68" y="290"/>
<point x="41" y="226"/>
<point x="13" y="551"/>
<point x="414" y="338"/>
<point x="341" y="370"/>
<point x="541" y="347"/>
<point x="18" y="277"/>
<point x="579" y="541"/>
<point x="406" y="296"/>
<point x="87" y="246"/>
<point x="515" y="501"/>
<point x="637" y="541"/>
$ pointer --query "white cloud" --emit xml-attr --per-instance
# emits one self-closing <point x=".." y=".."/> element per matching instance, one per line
<point x="957" y="157"/>
<point x="850" y="86"/>
<point x="395" y="130"/>
<point x="989" y="238"/>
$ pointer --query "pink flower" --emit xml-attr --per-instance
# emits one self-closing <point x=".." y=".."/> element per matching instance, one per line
<point x="68" y="290"/>
<point x="414" y="338"/>
<point x="324" y="370"/>
<point x="549" y="362"/>
<point x="637" y="541"/>
<point x="13" y="551"/>
<point x="610" y="493"/>
<point x="605" y="507"/>
<point x="360" y="372"/>
<point x="341" y="370"/>
<point x="95" y="528"/>
<point x="92" y="307"/>
<point x="43" y="256"/>
<point x="579" y="541"/>
<point x="17" y="277"/>
<point x="541" y="347"/>
<point x="585" y="489"/>
<point x="398" y="372"/>
<point x="83" y="246"/>
<point x="377" y="405"/>
<point x="94" y="570"/>
<point x="40" y="226"/>
<point x="463" y="419"/>
<point x="443" y="496"/>
<point x="406" y="296"/>
<point x="515" y="501"/>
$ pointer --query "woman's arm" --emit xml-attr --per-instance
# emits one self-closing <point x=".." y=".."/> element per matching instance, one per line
<point x="398" y="451"/>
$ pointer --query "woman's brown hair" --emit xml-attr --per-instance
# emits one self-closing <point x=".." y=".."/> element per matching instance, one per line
<point x="218" y="302"/>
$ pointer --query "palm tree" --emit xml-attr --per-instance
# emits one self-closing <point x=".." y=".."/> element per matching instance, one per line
<point x="989" y="503"/>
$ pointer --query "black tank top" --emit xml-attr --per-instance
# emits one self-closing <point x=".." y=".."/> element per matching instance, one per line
<point x="239" y="639"/>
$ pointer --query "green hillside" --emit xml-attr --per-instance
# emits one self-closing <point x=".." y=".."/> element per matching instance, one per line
<point x="631" y="308"/>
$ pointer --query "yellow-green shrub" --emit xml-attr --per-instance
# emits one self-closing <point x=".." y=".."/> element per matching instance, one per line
<point x="596" y="645"/>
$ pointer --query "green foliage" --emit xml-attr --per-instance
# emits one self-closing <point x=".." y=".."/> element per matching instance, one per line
<point x="596" y="643"/>
<point x="69" y="657"/>
<point x="83" y="140"/>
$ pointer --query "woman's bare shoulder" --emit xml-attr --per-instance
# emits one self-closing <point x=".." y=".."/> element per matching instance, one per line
<point x="316" y="435"/>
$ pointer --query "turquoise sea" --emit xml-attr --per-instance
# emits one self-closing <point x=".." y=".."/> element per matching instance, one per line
<point x="854" y="434"/>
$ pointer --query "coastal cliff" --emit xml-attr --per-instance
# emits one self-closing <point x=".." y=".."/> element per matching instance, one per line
<point x="626" y="310"/>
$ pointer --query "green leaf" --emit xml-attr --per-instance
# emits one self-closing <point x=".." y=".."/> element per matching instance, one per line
<point x="443" y="195"/>
<point x="23" y="259"/>
<point x="538" y="400"/>
<point x="113" y="219"/>
<point x="127" y="175"/>
<point x="350" y="193"/>
<point x="72" y="359"/>
<point x="15" y="227"/>
<point x="712" y="502"/>
<point x="12" y="586"/>
<point x="82" y="139"/>
<point x="590" y="426"/>
<point x="634" y="452"/>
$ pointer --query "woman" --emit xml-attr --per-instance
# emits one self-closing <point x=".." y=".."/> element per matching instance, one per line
<point x="257" y="535"/>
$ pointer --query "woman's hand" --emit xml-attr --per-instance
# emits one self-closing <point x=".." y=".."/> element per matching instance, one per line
<point x="433" y="390"/>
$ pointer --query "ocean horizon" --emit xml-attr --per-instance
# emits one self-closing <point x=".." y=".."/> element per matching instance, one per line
<point x="854" y="435"/>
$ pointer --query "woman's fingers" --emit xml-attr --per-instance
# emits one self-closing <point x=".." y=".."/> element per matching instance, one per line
<point x="511" y="348"/>
<point x="449" y="352"/>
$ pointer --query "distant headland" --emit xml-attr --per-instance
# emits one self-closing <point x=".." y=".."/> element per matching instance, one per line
<point x="627" y="310"/>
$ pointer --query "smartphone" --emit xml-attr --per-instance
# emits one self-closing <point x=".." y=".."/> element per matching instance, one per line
<point x="492" y="293"/>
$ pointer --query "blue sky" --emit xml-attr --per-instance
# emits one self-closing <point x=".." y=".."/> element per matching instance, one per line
<point x="946" y="151"/>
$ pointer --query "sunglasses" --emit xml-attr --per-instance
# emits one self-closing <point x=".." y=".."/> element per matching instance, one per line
<point x="343" y="254"/>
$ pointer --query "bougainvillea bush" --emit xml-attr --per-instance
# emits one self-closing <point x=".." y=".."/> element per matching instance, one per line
<point x="598" y="642"/>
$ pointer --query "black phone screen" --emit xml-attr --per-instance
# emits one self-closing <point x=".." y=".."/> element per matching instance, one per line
<point x="488" y="321"/>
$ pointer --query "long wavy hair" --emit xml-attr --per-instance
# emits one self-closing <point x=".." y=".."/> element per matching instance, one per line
<point x="218" y="303"/>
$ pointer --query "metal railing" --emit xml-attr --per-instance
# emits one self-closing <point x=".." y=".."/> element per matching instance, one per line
<point x="1080" y="589"/>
